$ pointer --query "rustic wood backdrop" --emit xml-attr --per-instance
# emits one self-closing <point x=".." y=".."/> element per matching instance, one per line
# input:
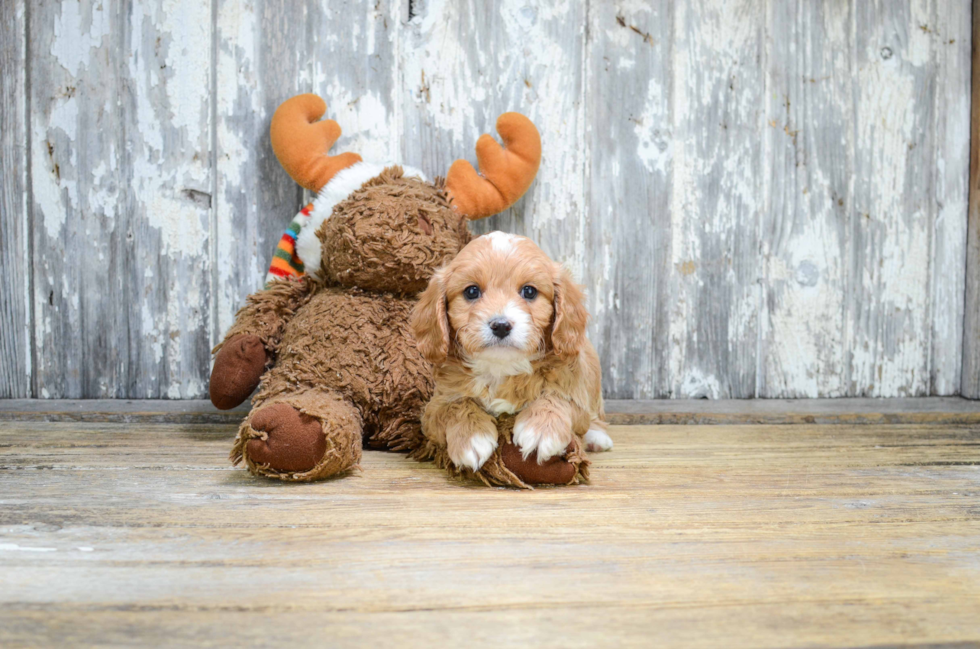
<point x="764" y="198"/>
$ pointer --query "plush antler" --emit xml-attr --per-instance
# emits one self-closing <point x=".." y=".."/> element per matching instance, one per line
<point x="507" y="171"/>
<point x="301" y="142"/>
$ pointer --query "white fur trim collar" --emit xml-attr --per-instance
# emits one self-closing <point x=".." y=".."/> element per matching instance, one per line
<point x="345" y="183"/>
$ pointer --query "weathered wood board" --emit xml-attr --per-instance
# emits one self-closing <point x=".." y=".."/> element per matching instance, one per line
<point x="15" y="304"/>
<point x="970" y="384"/>
<point x="630" y="164"/>
<point x="733" y="536"/>
<point x="764" y="199"/>
<point x="121" y="209"/>
<point x="866" y="224"/>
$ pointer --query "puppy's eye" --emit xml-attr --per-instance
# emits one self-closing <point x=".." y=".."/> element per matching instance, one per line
<point x="529" y="292"/>
<point x="471" y="292"/>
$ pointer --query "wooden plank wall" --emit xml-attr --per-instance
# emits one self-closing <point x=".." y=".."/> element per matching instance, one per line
<point x="970" y="386"/>
<point x="764" y="198"/>
<point x="15" y="316"/>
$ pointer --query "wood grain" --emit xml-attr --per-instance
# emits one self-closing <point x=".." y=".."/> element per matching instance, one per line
<point x="15" y="316"/>
<point x="970" y="384"/>
<point x="896" y="221"/>
<point x="716" y="206"/>
<point x="629" y="139"/>
<point x="810" y="174"/>
<point x="949" y="200"/>
<point x="733" y="535"/>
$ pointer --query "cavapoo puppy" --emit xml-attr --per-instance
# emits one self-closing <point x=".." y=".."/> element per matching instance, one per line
<point x="504" y="327"/>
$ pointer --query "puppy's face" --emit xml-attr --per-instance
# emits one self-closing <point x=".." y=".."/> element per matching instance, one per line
<point x="499" y="292"/>
<point x="500" y="299"/>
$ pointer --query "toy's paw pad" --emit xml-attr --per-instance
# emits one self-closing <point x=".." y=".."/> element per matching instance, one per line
<point x="597" y="440"/>
<point x="238" y="367"/>
<point x="288" y="440"/>
<point x="541" y="436"/>
<point x="557" y="470"/>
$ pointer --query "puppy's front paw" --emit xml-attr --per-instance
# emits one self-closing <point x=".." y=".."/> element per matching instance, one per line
<point x="549" y="436"/>
<point x="472" y="450"/>
<point x="597" y="440"/>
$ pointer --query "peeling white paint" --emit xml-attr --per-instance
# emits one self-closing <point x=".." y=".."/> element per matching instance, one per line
<point x="64" y="116"/>
<point x="653" y="130"/>
<point x="76" y="35"/>
<point x="897" y="268"/>
<point x="239" y="92"/>
<point x="103" y="198"/>
<point x="47" y="188"/>
<point x="187" y="26"/>
<point x="363" y="118"/>
<point x="183" y="226"/>
<point x="151" y="331"/>
<point x="445" y="82"/>
<point x="694" y="384"/>
<point x="922" y="32"/>
<point x="803" y="294"/>
<point x="952" y="108"/>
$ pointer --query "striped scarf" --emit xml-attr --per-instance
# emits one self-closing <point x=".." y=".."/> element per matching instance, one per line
<point x="286" y="264"/>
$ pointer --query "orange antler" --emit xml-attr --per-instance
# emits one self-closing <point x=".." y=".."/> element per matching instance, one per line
<point x="301" y="143"/>
<point x="507" y="172"/>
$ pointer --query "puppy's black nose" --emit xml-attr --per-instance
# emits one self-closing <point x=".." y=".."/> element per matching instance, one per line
<point x="500" y="327"/>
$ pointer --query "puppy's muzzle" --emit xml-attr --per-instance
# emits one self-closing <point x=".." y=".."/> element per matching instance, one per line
<point x="501" y="327"/>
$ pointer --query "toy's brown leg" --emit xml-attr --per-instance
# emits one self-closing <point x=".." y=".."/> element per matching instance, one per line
<point x="304" y="437"/>
<point x="556" y="470"/>
<point x="559" y="469"/>
<point x="238" y="367"/>
<point x="570" y="468"/>
<point x="293" y="441"/>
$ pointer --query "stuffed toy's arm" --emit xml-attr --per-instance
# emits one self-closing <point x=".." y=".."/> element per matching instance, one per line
<point x="250" y="345"/>
<point x="266" y="312"/>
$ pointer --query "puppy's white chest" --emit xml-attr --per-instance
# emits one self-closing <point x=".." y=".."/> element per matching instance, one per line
<point x="487" y="388"/>
<point x="490" y="375"/>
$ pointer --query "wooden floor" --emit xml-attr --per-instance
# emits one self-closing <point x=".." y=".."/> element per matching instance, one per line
<point x="725" y="535"/>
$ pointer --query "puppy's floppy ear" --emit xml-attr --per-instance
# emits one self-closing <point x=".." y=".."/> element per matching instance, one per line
<point x="430" y="323"/>
<point x="568" y="328"/>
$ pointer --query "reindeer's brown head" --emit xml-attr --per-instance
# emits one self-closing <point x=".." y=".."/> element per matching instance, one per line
<point x="386" y="228"/>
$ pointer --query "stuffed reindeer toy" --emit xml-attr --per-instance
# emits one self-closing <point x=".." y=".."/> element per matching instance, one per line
<point x="329" y="339"/>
